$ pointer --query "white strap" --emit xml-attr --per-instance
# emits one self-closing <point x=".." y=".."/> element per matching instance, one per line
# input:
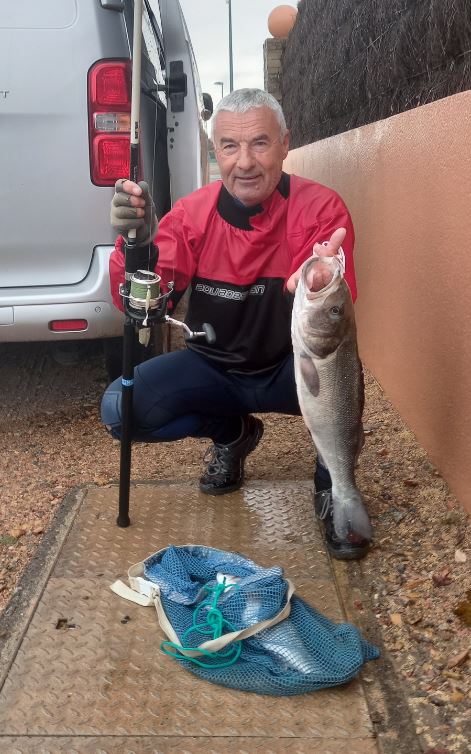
<point x="123" y="590"/>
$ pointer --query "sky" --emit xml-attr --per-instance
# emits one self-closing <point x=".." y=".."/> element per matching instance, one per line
<point x="208" y="24"/>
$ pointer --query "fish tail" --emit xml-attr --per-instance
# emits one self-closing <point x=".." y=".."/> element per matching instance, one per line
<point x="350" y="516"/>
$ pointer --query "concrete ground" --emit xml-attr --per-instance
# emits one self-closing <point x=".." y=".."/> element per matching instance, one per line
<point x="83" y="671"/>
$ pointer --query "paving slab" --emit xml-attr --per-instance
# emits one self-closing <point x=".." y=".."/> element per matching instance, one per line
<point x="88" y="675"/>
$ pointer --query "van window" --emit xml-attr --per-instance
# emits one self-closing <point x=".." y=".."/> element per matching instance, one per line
<point x="31" y="14"/>
<point x="154" y="6"/>
<point x="152" y="34"/>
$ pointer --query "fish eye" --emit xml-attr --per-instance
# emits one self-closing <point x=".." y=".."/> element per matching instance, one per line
<point x="336" y="310"/>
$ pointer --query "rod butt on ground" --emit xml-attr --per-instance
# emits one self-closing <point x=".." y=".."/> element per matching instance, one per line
<point x="123" y="520"/>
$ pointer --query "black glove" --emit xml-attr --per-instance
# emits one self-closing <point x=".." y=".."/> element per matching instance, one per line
<point x="123" y="215"/>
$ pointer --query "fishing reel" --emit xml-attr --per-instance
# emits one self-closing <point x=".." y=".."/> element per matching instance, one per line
<point x="146" y="305"/>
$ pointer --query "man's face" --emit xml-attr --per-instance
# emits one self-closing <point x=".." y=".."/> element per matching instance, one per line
<point x="250" y="153"/>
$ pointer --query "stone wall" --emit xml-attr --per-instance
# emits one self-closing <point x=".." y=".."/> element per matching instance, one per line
<point x="272" y="54"/>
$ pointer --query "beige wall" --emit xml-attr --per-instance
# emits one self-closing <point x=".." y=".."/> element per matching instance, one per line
<point x="407" y="183"/>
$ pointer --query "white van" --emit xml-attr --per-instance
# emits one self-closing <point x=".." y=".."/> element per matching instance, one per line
<point x="64" y="140"/>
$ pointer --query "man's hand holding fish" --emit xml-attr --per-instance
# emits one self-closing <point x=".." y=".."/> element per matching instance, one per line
<point x="317" y="278"/>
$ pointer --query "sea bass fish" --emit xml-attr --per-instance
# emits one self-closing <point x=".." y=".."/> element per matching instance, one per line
<point x="330" y="387"/>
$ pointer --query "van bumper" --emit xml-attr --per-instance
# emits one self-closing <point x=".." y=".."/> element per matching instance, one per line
<point x="26" y="313"/>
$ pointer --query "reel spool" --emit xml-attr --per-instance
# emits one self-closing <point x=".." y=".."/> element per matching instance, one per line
<point x="144" y="293"/>
<point x="146" y="305"/>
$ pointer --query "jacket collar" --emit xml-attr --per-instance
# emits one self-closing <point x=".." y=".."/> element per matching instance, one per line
<point x="237" y="214"/>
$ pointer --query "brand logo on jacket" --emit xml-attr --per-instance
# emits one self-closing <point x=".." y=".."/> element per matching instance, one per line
<point x="229" y="293"/>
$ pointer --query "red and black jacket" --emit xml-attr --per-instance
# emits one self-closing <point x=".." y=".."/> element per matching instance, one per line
<point x="237" y="260"/>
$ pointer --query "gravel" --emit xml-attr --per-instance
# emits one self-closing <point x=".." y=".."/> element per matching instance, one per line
<point x="415" y="585"/>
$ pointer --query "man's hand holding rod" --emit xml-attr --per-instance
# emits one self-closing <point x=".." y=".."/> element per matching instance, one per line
<point x="132" y="208"/>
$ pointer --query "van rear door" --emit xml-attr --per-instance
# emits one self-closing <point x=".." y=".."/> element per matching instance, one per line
<point x="187" y="139"/>
<point x="53" y="216"/>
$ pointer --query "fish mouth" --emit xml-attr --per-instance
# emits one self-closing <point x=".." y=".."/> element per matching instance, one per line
<point x="336" y="271"/>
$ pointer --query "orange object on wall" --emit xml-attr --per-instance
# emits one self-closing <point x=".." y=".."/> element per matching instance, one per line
<point x="407" y="183"/>
<point x="281" y="20"/>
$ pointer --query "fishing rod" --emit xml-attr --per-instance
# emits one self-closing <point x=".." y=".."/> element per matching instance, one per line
<point x="143" y="301"/>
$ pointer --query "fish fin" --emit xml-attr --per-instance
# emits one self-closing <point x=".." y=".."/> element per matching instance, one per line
<point x="350" y="517"/>
<point x="309" y="374"/>
<point x="361" y="389"/>
<point x="360" y="442"/>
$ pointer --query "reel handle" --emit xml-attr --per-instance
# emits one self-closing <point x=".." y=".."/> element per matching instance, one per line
<point x="209" y="333"/>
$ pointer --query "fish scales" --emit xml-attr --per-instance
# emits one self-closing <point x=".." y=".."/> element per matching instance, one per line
<point x="329" y="382"/>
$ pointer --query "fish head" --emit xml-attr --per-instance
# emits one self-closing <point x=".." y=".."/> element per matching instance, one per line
<point x="323" y="306"/>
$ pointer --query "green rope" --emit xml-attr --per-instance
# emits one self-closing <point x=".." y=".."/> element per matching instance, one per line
<point x="212" y="625"/>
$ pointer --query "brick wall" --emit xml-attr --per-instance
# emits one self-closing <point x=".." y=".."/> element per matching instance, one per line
<point x="272" y="52"/>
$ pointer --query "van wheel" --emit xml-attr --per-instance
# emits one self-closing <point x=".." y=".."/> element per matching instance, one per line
<point x="113" y="352"/>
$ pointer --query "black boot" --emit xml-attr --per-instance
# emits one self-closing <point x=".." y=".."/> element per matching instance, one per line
<point x="351" y="548"/>
<point x="225" y="469"/>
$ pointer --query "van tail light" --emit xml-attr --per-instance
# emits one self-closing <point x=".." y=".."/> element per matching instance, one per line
<point x="109" y="120"/>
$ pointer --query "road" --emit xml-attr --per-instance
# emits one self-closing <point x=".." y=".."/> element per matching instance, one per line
<point x="38" y="377"/>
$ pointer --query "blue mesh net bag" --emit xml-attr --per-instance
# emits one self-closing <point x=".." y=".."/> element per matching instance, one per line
<point x="235" y="623"/>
